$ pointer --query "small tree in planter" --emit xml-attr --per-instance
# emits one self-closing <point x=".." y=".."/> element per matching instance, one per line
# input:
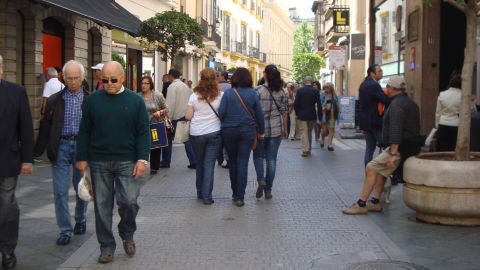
<point x="169" y="33"/>
<point x="442" y="189"/>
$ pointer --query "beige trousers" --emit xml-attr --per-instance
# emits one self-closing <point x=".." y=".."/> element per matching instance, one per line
<point x="306" y="128"/>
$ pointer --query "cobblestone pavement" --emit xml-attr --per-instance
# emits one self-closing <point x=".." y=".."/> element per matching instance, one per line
<point x="300" y="228"/>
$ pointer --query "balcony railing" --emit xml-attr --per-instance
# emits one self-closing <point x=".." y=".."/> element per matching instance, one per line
<point x="226" y="45"/>
<point x="263" y="57"/>
<point x="217" y="38"/>
<point x="204" y="24"/>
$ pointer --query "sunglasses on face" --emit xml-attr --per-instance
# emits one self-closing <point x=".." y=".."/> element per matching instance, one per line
<point x="112" y="80"/>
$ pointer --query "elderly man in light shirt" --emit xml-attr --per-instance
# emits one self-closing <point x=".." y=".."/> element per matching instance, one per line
<point x="177" y="100"/>
<point x="52" y="86"/>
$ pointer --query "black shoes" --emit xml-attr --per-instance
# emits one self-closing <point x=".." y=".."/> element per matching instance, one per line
<point x="330" y="148"/>
<point x="239" y="202"/>
<point x="129" y="247"/>
<point x="164" y="166"/>
<point x="261" y="187"/>
<point x="208" y="202"/>
<point x="192" y="166"/>
<point x="105" y="257"/>
<point x="9" y="261"/>
<point x="63" y="240"/>
<point x="80" y="228"/>
<point x="152" y="172"/>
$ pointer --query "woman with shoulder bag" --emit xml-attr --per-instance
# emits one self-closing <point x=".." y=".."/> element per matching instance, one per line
<point x="205" y="131"/>
<point x="274" y="102"/>
<point x="330" y="114"/>
<point x="157" y="109"/>
<point x="241" y="117"/>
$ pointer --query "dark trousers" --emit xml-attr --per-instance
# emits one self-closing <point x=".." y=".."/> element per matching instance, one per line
<point x="155" y="158"/>
<point x="446" y="138"/>
<point x="9" y="215"/>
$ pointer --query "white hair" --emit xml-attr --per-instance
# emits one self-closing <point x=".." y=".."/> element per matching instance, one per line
<point x="74" y="62"/>
<point x="52" y="72"/>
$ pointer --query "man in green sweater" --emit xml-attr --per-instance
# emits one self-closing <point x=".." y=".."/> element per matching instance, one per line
<point x="114" y="141"/>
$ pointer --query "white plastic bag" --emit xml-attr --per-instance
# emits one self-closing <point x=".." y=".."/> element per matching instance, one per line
<point x="182" y="132"/>
<point x="85" y="191"/>
<point x="430" y="136"/>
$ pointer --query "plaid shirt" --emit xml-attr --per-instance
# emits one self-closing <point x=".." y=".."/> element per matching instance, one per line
<point x="73" y="112"/>
<point x="272" y="114"/>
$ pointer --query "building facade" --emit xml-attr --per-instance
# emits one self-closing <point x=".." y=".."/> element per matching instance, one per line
<point x="241" y="32"/>
<point x="277" y="37"/>
<point x="37" y="35"/>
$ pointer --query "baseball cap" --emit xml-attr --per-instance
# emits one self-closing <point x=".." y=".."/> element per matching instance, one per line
<point x="397" y="82"/>
<point x="98" y="66"/>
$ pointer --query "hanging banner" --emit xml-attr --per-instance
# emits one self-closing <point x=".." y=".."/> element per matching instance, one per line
<point x="337" y="57"/>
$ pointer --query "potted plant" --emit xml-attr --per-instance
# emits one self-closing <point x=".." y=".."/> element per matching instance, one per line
<point x="444" y="187"/>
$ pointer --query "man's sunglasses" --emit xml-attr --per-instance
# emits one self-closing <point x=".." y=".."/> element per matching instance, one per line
<point x="112" y="80"/>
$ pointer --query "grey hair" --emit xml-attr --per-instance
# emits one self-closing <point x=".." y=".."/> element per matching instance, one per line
<point x="331" y="86"/>
<point x="52" y="72"/>
<point x="74" y="62"/>
<point x="308" y="79"/>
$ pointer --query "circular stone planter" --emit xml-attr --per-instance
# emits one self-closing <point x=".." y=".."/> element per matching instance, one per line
<point x="442" y="190"/>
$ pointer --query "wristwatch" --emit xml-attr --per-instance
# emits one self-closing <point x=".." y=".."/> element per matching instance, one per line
<point x="144" y="162"/>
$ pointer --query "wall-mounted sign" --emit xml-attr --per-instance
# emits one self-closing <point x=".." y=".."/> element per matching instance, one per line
<point x="413" y="21"/>
<point x="337" y="57"/>
<point x="341" y="17"/>
<point x="357" y="46"/>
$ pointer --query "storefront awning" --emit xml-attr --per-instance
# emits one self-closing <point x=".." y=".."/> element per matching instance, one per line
<point x="105" y="12"/>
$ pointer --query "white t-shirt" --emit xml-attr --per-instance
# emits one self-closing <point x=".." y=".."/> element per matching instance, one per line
<point x="204" y="120"/>
<point x="51" y="87"/>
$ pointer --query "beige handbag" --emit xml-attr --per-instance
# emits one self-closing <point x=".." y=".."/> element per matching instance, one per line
<point x="182" y="132"/>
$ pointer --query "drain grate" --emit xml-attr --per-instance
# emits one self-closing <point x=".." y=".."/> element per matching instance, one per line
<point x="384" y="265"/>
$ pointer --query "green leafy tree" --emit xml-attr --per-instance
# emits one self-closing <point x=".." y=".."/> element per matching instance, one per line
<point x="306" y="64"/>
<point x="117" y="57"/>
<point x="169" y="33"/>
<point x="470" y="8"/>
<point x="303" y="39"/>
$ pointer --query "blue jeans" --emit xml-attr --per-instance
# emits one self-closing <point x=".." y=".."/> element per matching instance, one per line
<point x="66" y="159"/>
<point x="238" y="142"/>
<point x="167" y="151"/>
<point x="9" y="215"/>
<point x="267" y="149"/>
<point x="372" y="138"/>
<point x="206" y="149"/>
<point x="109" y="179"/>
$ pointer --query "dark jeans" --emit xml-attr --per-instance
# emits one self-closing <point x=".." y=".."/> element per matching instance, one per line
<point x="206" y="149"/>
<point x="9" y="215"/>
<point x="238" y="142"/>
<point x="109" y="179"/>
<point x="372" y="138"/>
<point x="267" y="149"/>
<point x="167" y="151"/>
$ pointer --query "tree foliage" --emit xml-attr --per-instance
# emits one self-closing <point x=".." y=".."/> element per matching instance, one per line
<point x="117" y="57"/>
<point x="170" y="32"/>
<point x="303" y="39"/>
<point x="306" y="64"/>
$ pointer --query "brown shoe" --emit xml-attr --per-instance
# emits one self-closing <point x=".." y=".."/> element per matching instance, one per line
<point x="261" y="187"/>
<point x="374" y="207"/>
<point x="129" y="247"/>
<point x="105" y="257"/>
<point x="268" y="195"/>
<point x="355" y="209"/>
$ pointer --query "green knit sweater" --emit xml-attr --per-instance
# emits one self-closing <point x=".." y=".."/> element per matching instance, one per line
<point x="114" y="128"/>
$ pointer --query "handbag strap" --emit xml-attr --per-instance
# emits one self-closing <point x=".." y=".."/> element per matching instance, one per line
<point x="212" y="108"/>
<point x="274" y="101"/>
<point x="243" y="104"/>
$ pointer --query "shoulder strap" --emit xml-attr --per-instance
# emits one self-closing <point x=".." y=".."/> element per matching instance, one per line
<point x="243" y="104"/>
<point x="212" y="108"/>
<point x="276" y="104"/>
